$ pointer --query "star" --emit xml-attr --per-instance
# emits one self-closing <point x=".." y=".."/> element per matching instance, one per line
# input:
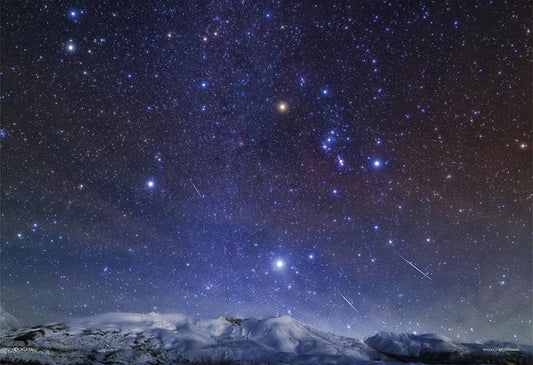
<point x="150" y="184"/>
<point x="282" y="107"/>
<point x="279" y="264"/>
<point x="377" y="163"/>
<point x="73" y="14"/>
<point x="70" y="47"/>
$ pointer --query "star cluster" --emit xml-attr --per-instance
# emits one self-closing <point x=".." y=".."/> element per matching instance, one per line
<point x="266" y="158"/>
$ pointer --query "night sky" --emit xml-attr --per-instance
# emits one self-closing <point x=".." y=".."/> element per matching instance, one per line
<point x="361" y="166"/>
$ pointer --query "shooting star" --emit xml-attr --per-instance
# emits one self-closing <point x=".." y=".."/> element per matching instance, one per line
<point x="416" y="268"/>
<point x="195" y="188"/>
<point x="349" y="303"/>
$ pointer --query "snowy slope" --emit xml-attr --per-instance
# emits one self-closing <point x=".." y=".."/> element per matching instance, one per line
<point x="432" y="349"/>
<point x="7" y="320"/>
<point x="411" y="345"/>
<point x="167" y="338"/>
<point x="129" y="338"/>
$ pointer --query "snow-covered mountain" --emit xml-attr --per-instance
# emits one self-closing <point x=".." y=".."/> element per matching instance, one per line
<point x="128" y="338"/>
<point x="435" y="349"/>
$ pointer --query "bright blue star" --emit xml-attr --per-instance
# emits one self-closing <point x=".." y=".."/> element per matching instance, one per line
<point x="376" y="163"/>
<point x="70" y="47"/>
<point x="73" y="14"/>
<point x="150" y="184"/>
<point x="335" y="192"/>
<point x="204" y="84"/>
<point x="324" y="91"/>
<point x="279" y="264"/>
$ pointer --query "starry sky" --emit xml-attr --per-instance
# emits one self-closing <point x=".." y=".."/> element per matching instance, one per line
<point x="358" y="165"/>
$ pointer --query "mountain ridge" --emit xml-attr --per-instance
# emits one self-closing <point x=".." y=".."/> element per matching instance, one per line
<point x="132" y="338"/>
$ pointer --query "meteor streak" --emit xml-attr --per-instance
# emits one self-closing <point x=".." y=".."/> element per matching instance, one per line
<point x="195" y="188"/>
<point x="347" y="301"/>
<point x="416" y="268"/>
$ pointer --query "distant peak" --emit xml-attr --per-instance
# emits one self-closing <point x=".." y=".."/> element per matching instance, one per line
<point x="235" y="321"/>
